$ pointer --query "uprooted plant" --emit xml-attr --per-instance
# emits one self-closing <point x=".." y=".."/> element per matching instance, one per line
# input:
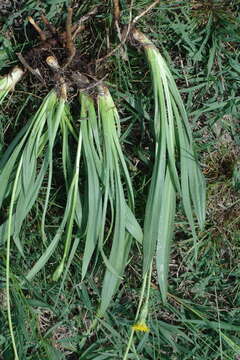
<point x="103" y="218"/>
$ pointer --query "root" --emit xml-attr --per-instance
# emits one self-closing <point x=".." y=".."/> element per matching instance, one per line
<point x="69" y="41"/>
<point x="144" y="12"/>
<point x="116" y="10"/>
<point x="76" y="28"/>
<point x="50" y="27"/>
<point x="35" y="72"/>
<point x="56" y="57"/>
<point x="41" y="33"/>
<point x="127" y="30"/>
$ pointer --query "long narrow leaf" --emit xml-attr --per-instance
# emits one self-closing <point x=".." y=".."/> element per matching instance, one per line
<point x="173" y="141"/>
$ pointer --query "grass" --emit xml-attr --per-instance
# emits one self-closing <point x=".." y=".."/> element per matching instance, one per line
<point x="201" y="318"/>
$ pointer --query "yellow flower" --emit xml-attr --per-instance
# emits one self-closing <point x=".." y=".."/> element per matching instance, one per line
<point x="140" y="326"/>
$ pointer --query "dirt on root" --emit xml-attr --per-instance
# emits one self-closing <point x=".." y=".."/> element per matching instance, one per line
<point x="55" y="59"/>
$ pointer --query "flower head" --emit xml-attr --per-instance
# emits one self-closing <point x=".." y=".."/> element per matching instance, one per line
<point x="140" y="326"/>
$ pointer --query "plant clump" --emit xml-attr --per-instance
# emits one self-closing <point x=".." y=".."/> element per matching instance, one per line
<point x="99" y="204"/>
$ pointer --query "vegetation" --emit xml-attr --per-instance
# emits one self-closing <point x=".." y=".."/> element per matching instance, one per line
<point x="105" y="249"/>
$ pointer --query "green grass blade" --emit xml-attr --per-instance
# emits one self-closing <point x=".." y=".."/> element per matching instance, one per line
<point x="94" y="203"/>
<point x="8" y="259"/>
<point x="154" y="205"/>
<point x="115" y="172"/>
<point x="173" y="138"/>
<point x="70" y="211"/>
<point x="133" y="226"/>
<point x="166" y="220"/>
<point x="54" y="117"/>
